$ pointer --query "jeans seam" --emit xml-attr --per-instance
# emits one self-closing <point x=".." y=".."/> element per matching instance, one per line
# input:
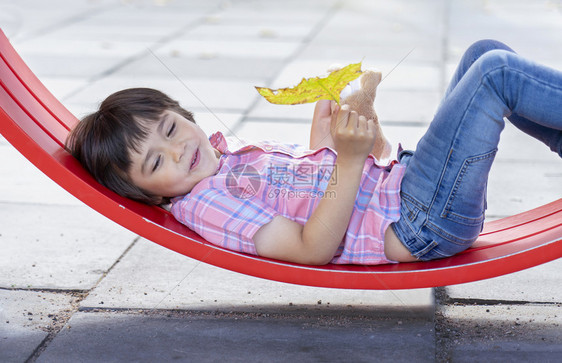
<point x="449" y="237"/>
<point x="408" y="198"/>
<point x="446" y="212"/>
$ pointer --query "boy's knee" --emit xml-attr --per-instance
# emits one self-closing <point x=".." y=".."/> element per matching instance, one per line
<point x="480" y="47"/>
<point x="493" y="60"/>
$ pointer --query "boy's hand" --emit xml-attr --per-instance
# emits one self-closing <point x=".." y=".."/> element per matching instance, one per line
<point x="320" y="135"/>
<point x="353" y="135"/>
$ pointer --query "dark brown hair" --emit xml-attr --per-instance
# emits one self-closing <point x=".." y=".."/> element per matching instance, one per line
<point x="103" y="141"/>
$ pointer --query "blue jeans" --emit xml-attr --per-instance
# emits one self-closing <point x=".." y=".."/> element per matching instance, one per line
<point x="443" y="193"/>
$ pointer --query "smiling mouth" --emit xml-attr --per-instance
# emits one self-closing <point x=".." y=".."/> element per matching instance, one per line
<point x="195" y="159"/>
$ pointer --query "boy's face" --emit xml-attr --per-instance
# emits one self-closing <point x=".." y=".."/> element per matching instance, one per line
<point x="175" y="156"/>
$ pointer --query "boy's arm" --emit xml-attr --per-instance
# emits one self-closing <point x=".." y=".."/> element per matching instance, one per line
<point x="317" y="241"/>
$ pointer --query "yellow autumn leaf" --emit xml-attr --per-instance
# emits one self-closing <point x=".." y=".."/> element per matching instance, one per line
<point x="314" y="89"/>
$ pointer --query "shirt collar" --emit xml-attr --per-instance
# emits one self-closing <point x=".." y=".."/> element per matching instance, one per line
<point x="218" y="141"/>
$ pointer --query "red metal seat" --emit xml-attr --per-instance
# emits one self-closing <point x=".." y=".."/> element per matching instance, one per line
<point x="36" y="123"/>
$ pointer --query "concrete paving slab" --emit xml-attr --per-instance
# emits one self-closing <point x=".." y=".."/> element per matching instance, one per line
<point x="374" y="53"/>
<point x="249" y="31"/>
<point x="26" y="317"/>
<point x="57" y="247"/>
<point x="191" y="92"/>
<point x="407" y="76"/>
<point x="502" y="333"/>
<point x="218" y="121"/>
<point x="21" y="181"/>
<point x="63" y="87"/>
<point x="151" y="15"/>
<point x="391" y="34"/>
<point x="517" y="146"/>
<point x="28" y="18"/>
<point x="214" y="68"/>
<point x="408" y="106"/>
<point x="539" y="284"/>
<point x="64" y="66"/>
<point x="285" y="132"/>
<point x="406" y="135"/>
<point x="505" y="21"/>
<point x="54" y="46"/>
<point x="90" y="30"/>
<point x="510" y="191"/>
<point x="263" y="110"/>
<point x="145" y="21"/>
<point x="231" y="48"/>
<point x="152" y="277"/>
<point x="398" y="21"/>
<point x="80" y="110"/>
<point x="104" y="336"/>
<point x="262" y="13"/>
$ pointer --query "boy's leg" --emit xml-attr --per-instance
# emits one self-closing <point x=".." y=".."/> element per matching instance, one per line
<point x="551" y="137"/>
<point x="471" y="55"/>
<point x="444" y="187"/>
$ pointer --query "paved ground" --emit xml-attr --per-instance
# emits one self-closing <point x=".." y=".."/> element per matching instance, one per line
<point x="74" y="286"/>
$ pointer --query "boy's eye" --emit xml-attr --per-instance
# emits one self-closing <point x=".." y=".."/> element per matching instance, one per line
<point x="157" y="163"/>
<point x="171" y="130"/>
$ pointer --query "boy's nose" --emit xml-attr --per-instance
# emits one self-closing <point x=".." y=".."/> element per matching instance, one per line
<point x="177" y="151"/>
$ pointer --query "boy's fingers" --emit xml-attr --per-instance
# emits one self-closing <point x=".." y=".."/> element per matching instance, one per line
<point x="354" y="120"/>
<point x="324" y="108"/>
<point x="337" y="115"/>
<point x="362" y="123"/>
<point x="370" y="125"/>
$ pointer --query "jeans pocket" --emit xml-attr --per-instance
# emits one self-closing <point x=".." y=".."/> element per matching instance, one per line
<point x="410" y="207"/>
<point x="466" y="203"/>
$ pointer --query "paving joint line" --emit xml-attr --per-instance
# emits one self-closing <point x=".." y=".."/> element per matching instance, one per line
<point x="306" y="312"/>
<point x="304" y="43"/>
<point x="494" y="302"/>
<point x="59" y="322"/>
<point x="440" y="326"/>
<point x="55" y="328"/>
<point x="44" y="290"/>
<point x="63" y="23"/>
<point x="156" y="45"/>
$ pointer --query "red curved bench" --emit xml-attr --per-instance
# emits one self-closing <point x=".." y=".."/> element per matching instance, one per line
<point x="36" y="123"/>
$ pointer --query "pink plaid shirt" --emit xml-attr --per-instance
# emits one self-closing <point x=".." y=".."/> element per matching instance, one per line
<point x="256" y="182"/>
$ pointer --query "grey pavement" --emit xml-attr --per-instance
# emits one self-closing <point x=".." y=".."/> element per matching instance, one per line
<point x="75" y="286"/>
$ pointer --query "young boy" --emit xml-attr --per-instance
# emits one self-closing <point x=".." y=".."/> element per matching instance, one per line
<point x="144" y="146"/>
